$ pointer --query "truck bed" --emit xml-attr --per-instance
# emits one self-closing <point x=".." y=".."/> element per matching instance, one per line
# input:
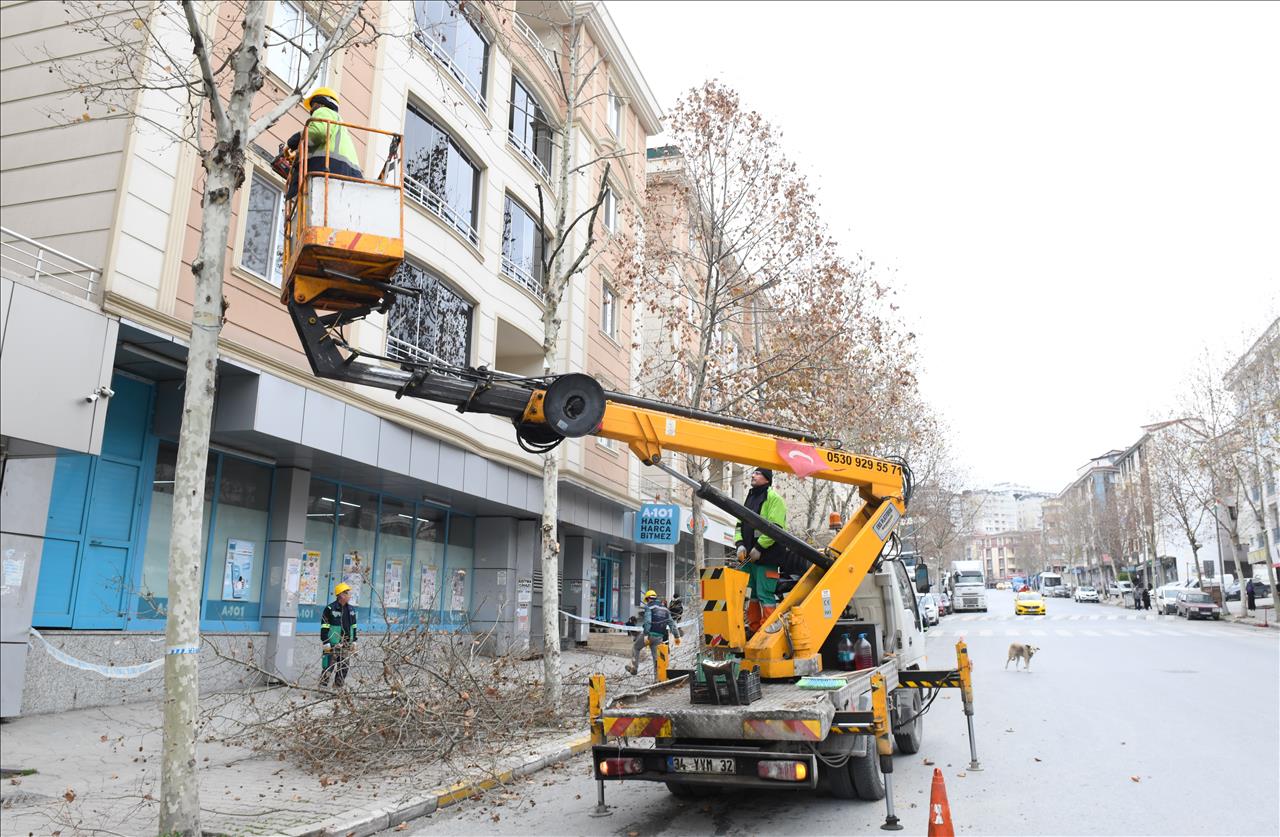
<point x="784" y="711"/>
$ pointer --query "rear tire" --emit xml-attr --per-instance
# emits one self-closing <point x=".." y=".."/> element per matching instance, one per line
<point x="840" y="780"/>
<point x="866" y="777"/>
<point x="909" y="735"/>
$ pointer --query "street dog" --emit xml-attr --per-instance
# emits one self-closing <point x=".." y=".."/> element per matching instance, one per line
<point x="1018" y="651"/>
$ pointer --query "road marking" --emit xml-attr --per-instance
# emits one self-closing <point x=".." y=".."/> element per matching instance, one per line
<point x="1062" y="632"/>
<point x="1112" y="618"/>
<point x="1087" y="632"/>
<point x="1117" y="633"/>
<point x="1037" y="633"/>
<point x="985" y="633"/>
<point x="1141" y="632"/>
<point x="1094" y="618"/>
<point x="1012" y="632"/>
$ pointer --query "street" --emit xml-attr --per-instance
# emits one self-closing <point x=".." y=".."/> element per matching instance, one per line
<point x="1107" y="733"/>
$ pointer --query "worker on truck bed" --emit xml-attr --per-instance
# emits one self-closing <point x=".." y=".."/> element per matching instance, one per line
<point x="758" y="554"/>
<point x="653" y="631"/>
<point x="329" y="147"/>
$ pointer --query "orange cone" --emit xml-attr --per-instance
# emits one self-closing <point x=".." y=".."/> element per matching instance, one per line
<point x="939" y="809"/>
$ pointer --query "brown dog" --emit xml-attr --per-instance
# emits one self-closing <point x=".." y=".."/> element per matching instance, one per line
<point x="1018" y="651"/>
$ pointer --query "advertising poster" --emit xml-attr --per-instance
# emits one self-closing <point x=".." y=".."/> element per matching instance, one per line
<point x="353" y="574"/>
<point x="427" y="586"/>
<point x="239" y="570"/>
<point x="458" y="590"/>
<point x="393" y="583"/>
<point x="292" y="578"/>
<point x="309" y="577"/>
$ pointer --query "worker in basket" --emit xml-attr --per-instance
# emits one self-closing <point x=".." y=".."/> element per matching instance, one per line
<point x="329" y="146"/>
<point x="765" y="560"/>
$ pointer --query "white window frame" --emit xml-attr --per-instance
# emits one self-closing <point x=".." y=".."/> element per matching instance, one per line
<point x="610" y="207"/>
<point x="615" y="112"/>
<point x="276" y="279"/>
<point x="608" y="310"/>
<point x="297" y="60"/>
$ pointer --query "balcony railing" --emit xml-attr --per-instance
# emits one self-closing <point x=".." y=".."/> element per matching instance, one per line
<point x="404" y="350"/>
<point x="27" y="258"/>
<point x="526" y="152"/>
<point x="421" y="193"/>
<point x="547" y="56"/>
<point x="438" y="52"/>
<point x="522" y="275"/>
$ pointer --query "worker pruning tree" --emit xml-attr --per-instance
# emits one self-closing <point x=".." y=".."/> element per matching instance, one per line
<point x="194" y="73"/>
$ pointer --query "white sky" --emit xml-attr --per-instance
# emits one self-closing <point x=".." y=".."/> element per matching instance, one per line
<point x="1073" y="200"/>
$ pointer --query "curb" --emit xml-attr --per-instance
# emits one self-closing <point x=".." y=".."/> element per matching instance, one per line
<point x="363" y="823"/>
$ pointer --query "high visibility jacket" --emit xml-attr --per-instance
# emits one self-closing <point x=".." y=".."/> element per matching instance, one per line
<point x="335" y="139"/>
<point x="337" y="623"/>
<point x="773" y="510"/>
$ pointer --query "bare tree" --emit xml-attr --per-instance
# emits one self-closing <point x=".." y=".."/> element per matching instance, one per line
<point x="1183" y="490"/>
<point x="216" y="91"/>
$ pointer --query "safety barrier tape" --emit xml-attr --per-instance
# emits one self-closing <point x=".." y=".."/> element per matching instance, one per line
<point x="115" y="672"/>
<point x="617" y="627"/>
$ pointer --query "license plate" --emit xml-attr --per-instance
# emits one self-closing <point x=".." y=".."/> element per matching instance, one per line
<point x="691" y="764"/>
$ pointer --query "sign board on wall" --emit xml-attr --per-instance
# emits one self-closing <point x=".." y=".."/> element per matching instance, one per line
<point x="658" y="523"/>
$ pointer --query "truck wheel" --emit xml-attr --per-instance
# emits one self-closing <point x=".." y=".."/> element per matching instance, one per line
<point x="840" y="779"/>
<point x="908" y="736"/>
<point x="865" y="773"/>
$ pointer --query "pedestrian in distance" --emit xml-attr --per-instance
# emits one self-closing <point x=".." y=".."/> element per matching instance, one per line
<point x="1146" y="598"/>
<point x="676" y="606"/>
<point x="654" y="628"/>
<point x="1250" y="594"/>
<point x="329" y="146"/>
<point x="337" y="636"/>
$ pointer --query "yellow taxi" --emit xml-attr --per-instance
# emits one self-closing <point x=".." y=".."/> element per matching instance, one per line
<point x="1028" y="603"/>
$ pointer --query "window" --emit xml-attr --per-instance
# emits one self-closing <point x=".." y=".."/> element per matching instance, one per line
<point x="609" y="311"/>
<point x="263" y="250"/>
<point x="610" y="210"/>
<point x="153" y="593"/>
<point x="238" y="542"/>
<point x="529" y="131"/>
<point x="357" y="536"/>
<point x="296" y="35"/>
<point x="447" y="31"/>
<point x="435" y="326"/>
<point x="615" y="113"/>
<point x="522" y="246"/>
<point x="439" y="176"/>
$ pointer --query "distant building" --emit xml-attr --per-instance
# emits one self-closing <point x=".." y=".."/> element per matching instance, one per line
<point x="1254" y="382"/>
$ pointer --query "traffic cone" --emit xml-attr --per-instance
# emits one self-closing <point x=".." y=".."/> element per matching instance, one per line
<point x="939" y="809"/>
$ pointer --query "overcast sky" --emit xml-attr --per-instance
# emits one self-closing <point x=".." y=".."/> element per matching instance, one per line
<point x="1072" y="200"/>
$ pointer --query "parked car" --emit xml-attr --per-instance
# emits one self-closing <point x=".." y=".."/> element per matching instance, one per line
<point x="1085" y="593"/>
<point x="1028" y="603"/>
<point x="1196" y="605"/>
<point x="1165" y="599"/>
<point x="1235" y="589"/>
<point x="1119" y="588"/>
<point x="928" y="609"/>
<point x="944" y="604"/>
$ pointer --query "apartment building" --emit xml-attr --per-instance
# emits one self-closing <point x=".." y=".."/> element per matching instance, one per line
<point x="431" y="515"/>
<point x="1253" y="381"/>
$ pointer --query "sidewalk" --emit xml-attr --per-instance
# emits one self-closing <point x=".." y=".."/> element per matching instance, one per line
<point x="1234" y="614"/>
<point x="98" y="770"/>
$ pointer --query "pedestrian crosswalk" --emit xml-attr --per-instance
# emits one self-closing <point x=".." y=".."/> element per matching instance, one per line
<point x="1028" y="631"/>
<point x="1064" y="617"/>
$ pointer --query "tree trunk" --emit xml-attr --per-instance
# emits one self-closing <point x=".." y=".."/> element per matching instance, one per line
<point x="550" y="578"/>
<point x="180" y="791"/>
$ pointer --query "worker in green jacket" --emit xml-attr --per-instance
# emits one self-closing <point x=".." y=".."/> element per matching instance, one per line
<point x="329" y="146"/>
<point x="758" y="554"/>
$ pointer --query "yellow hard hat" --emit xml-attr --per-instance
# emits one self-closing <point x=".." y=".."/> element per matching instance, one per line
<point x="341" y="588"/>
<point x="327" y="92"/>
<point x="649" y="594"/>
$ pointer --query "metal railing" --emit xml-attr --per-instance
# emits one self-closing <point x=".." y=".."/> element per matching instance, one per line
<point x="547" y="56"/>
<point x="522" y="275"/>
<point x="27" y="258"/>
<point x="423" y="194"/>
<point x="404" y="350"/>
<point x="439" y="53"/>
<point x="528" y="153"/>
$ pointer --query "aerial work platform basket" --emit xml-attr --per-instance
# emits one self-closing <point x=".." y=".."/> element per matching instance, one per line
<point x="344" y="236"/>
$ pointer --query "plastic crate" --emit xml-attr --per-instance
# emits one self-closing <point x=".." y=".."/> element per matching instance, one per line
<point x="748" y="689"/>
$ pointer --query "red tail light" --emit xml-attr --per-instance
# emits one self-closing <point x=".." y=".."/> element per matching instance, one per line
<point x="620" y="767"/>
<point x="783" y="771"/>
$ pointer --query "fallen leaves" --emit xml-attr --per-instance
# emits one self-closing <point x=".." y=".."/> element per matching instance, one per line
<point x="70" y="795"/>
<point x="961" y="775"/>
<point x="404" y="826"/>
<point x="927" y="761"/>
<point x="1135" y="779"/>
<point x="1034" y="757"/>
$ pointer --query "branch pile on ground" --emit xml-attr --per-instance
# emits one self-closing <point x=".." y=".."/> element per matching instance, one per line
<point x="412" y="697"/>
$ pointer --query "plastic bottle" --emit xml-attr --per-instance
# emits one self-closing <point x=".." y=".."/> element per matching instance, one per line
<point x="862" y="657"/>
<point x="845" y="653"/>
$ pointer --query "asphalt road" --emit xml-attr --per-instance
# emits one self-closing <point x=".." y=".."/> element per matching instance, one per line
<point x="1126" y="723"/>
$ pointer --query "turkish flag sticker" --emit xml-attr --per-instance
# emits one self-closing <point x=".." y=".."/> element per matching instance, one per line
<point x="803" y="460"/>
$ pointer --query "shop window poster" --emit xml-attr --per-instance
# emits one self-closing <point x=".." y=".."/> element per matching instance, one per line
<point x="393" y="582"/>
<point x="458" y="590"/>
<point x="309" y="578"/>
<point x="353" y="568"/>
<point x="239" y="570"/>
<point x="427" y="586"/>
